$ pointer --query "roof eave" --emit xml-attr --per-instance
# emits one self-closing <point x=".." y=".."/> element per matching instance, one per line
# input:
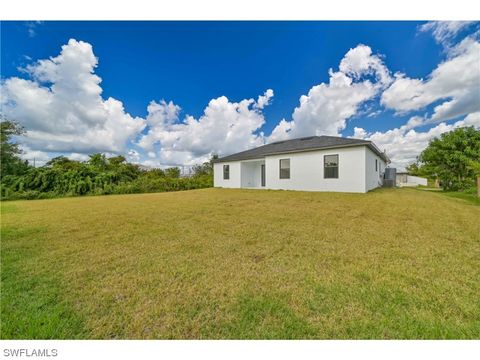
<point x="375" y="149"/>
<point x="366" y="143"/>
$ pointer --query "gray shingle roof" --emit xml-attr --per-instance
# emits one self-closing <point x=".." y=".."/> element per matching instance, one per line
<point x="301" y="144"/>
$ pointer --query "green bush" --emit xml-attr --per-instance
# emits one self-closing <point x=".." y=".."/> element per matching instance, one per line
<point x="97" y="176"/>
<point x="44" y="185"/>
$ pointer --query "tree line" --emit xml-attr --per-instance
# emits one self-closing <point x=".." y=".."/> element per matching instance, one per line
<point x="98" y="175"/>
<point x="453" y="159"/>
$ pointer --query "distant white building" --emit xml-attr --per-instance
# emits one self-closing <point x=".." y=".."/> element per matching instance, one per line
<point x="315" y="163"/>
<point x="403" y="180"/>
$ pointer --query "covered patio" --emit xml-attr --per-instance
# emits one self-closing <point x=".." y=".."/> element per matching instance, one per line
<point x="253" y="173"/>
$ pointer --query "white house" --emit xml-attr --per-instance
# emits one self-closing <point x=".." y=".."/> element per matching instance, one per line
<point x="315" y="163"/>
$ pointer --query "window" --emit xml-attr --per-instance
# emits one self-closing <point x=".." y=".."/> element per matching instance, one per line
<point x="226" y="172"/>
<point x="284" y="168"/>
<point x="376" y="165"/>
<point x="330" y="166"/>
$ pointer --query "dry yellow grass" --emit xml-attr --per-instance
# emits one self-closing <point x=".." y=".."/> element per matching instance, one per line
<point x="218" y="263"/>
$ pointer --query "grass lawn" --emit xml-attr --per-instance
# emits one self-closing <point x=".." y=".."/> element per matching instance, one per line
<point x="218" y="263"/>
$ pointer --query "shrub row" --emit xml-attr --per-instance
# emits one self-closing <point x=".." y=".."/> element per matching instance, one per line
<point x="87" y="187"/>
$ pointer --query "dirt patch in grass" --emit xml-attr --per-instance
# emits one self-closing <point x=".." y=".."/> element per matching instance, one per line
<point x="219" y="263"/>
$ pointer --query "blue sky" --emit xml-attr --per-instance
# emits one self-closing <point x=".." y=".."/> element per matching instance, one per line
<point x="191" y="63"/>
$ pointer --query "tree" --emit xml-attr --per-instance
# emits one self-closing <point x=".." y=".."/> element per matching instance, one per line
<point x="98" y="161"/>
<point x="99" y="175"/>
<point x="200" y="170"/>
<point x="173" y="172"/>
<point x="415" y="169"/>
<point x="205" y="169"/>
<point x="154" y="173"/>
<point x="450" y="158"/>
<point x="117" y="160"/>
<point x="475" y="166"/>
<point x="63" y="163"/>
<point x="11" y="163"/>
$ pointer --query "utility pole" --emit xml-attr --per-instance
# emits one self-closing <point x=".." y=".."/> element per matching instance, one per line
<point x="34" y="162"/>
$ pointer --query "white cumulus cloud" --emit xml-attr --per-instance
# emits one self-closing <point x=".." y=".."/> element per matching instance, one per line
<point x="455" y="83"/>
<point x="264" y="100"/>
<point x="404" y="144"/>
<point x="224" y="128"/>
<point x="444" y="32"/>
<point x="327" y="106"/>
<point x="61" y="105"/>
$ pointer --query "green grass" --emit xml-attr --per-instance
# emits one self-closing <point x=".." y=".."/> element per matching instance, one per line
<point x="242" y="264"/>
<point x="32" y="305"/>
<point x="470" y="195"/>
<point x="473" y="198"/>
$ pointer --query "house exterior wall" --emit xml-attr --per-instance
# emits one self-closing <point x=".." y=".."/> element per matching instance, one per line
<point x="235" y="175"/>
<point x="306" y="171"/>
<point x="356" y="172"/>
<point x="374" y="178"/>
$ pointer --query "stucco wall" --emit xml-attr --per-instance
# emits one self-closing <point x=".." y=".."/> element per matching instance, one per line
<point x="356" y="171"/>
<point x="306" y="171"/>
<point x="233" y="182"/>
<point x="374" y="178"/>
